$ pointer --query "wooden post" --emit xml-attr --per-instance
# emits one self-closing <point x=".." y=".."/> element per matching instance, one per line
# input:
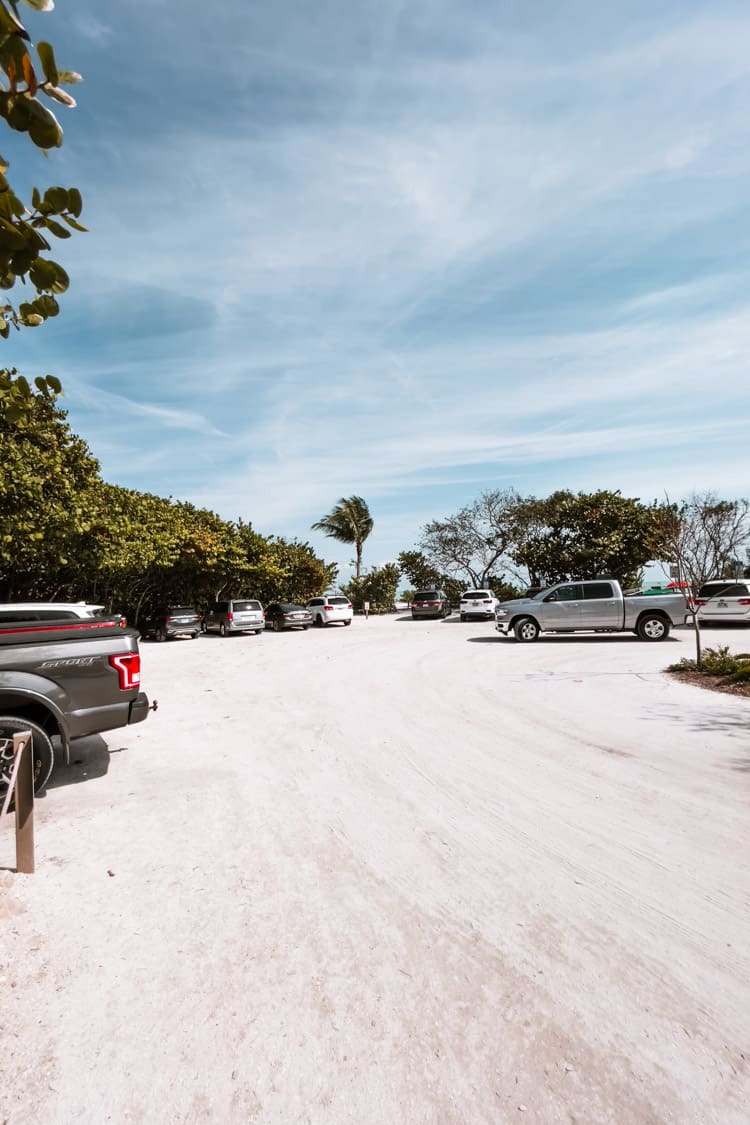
<point x="22" y="746"/>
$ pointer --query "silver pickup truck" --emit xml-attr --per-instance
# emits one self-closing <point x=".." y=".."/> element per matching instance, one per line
<point x="598" y="605"/>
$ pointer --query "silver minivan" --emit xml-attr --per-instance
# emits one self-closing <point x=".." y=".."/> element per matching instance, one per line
<point x="235" y="615"/>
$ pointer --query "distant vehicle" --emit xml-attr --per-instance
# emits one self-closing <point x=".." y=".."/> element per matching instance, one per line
<point x="724" y="599"/>
<point x="326" y="611"/>
<point x="167" y="622"/>
<point x="594" y="606"/>
<point x="235" y="615"/>
<point x="430" y="603"/>
<point x="478" y="603"/>
<point x="287" y="615"/>
<point x="48" y="611"/>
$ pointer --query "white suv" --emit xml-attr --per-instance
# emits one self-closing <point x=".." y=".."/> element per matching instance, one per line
<point x="48" y="611"/>
<point x="332" y="608"/>
<point x="478" y="603"/>
<point x="724" y="599"/>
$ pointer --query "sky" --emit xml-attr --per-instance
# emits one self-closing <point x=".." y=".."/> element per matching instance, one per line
<point x="410" y="251"/>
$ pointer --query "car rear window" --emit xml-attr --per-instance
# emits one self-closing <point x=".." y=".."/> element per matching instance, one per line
<point x="426" y="596"/>
<point x="181" y="609"/>
<point x="724" y="590"/>
<point x="240" y="607"/>
<point x="338" y="601"/>
<point x="475" y="595"/>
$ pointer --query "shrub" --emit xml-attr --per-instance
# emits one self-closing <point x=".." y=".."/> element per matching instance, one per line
<point x="717" y="662"/>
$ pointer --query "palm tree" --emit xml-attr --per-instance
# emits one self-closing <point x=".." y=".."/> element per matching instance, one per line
<point x="349" y="522"/>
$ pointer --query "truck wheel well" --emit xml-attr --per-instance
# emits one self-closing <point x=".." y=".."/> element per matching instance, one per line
<point x="27" y="709"/>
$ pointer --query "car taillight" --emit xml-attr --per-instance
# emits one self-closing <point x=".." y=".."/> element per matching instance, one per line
<point x="743" y="601"/>
<point x="230" y="617"/>
<point x="700" y="601"/>
<point x="128" y="667"/>
<point x="350" y="606"/>
<point x="327" y="607"/>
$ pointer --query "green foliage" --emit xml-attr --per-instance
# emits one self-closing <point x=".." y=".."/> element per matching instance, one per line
<point x="717" y="662"/>
<point x="46" y="478"/>
<point x="17" y="396"/>
<point x="348" y="522"/>
<point x="420" y="572"/>
<point x="584" y="535"/>
<point x="378" y="587"/>
<point x="290" y="571"/>
<point x="25" y="230"/>
<point x="66" y="534"/>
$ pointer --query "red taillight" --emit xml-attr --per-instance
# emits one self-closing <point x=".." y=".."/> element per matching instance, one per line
<point x="128" y="666"/>
<point x="263" y="614"/>
<point x="329" y="607"/>
<point x="700" y="601"/>
<point x="350" y="606"/>
<point x="230" y="617"/>
<point x="743" y="601"/>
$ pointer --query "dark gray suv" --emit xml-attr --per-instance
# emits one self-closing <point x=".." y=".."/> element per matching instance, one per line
<point x="430" y="603"/>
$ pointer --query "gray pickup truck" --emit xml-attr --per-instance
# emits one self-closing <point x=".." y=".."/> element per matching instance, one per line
<point x="597" y="605"/>
<point x="66" y="678"/>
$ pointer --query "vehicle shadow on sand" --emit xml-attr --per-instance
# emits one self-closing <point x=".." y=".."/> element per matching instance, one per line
<point x="89" y="759"/>
<point x="571" y="638"/>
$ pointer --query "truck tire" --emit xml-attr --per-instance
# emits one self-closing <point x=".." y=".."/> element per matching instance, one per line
<point x="44" y="755"/>
<point x="653" y="627"/>
<point x="526" y="629"/>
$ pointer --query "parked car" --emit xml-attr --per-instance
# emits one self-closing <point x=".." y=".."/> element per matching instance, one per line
<point x="430" y="603"/>
<point x="235" y="615"/>
<point x="287" y="615"/>
<point x="724" y="599"/>
<point x="478" y="603"/>
<point x="327" y="610"/>
<point x="169" y="621"/>
<point x="48" y="611"/>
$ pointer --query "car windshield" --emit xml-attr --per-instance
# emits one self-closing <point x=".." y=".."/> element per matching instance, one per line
<point x="240" y="607"/>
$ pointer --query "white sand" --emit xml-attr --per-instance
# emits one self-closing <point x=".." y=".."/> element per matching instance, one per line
<point x="404" y="872"/>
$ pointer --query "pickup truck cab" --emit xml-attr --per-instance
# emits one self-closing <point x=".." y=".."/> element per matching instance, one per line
<point x="597" y="605"/>
<point x="66" y="678"/>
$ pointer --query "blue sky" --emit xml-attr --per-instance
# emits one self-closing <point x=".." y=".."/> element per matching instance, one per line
<point x="409" y="251"/>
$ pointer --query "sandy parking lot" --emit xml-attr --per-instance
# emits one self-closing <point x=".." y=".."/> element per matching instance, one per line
<point x="405" y="872"/>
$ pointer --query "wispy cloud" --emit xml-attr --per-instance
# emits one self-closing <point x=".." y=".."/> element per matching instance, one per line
<point x="408" y="251"/>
